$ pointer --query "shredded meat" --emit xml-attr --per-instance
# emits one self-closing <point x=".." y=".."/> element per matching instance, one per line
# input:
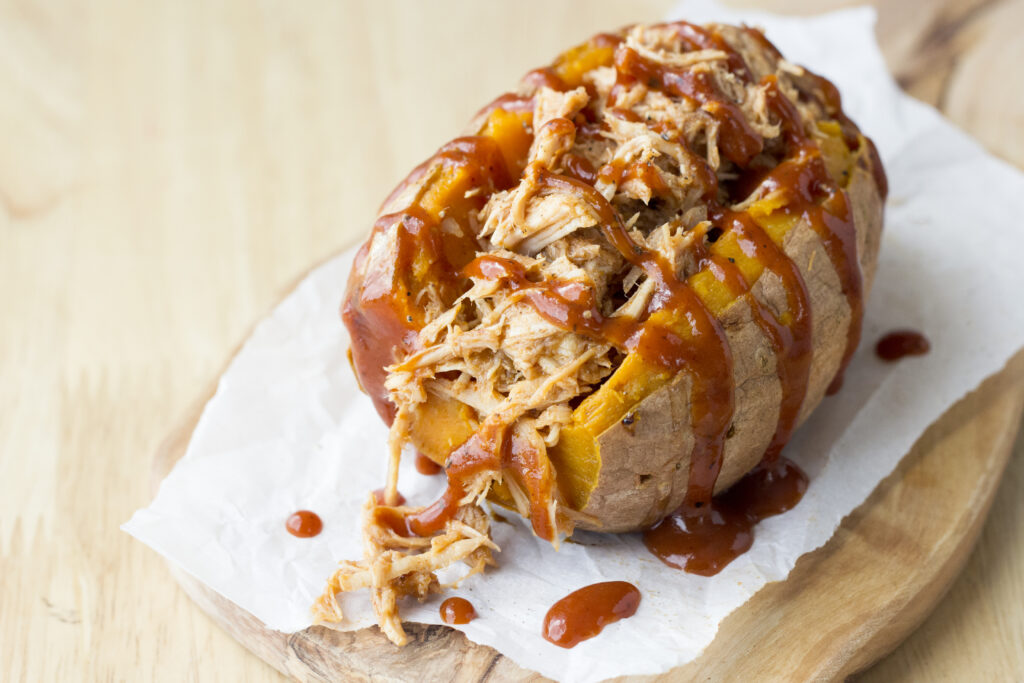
<point x="656" y="156"/>
<point x="396" y="566"/>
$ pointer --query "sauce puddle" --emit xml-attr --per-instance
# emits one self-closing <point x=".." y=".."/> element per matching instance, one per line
<point x="584" y="613"/>
<point x="901" y="343"/>
<point x="704" y="539"/>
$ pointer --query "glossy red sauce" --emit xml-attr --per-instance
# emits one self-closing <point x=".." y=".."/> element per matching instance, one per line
<point x="544" y="77"/>
<point x="304" y="524"/>
<point x="383" y="317"/>
<point x="704" y="539"/>
<point x="380" y="495"/>
<point x="457" y="611"/>
<point x="814" y="196"/>
<point x="791" y="342"/>
<point x="584" y="613"/>
<point x="482" y="452"/>
<point x="425" y="465"/>
<point x="493" y="447"/>
<point x="701" y="347"/>
<point x="901" y="343"/>
<point x="579" y="168"/>
<point x="383" y="311"/>
<point x="645" y="172"/>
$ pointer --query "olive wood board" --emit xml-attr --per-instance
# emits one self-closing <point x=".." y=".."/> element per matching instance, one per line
<point x="842" y="608"/>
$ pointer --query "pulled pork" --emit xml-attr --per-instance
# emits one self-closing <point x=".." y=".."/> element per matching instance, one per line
<point x="658" y="158"/>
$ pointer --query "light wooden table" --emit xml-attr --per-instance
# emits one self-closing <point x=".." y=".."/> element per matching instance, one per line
<point x="167" y="168"/>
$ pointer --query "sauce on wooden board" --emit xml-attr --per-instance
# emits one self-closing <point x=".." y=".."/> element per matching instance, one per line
<point x="457" y="611"/>
<point x="304" y="524"/>
<point x="901" y="343"/>
<point x="584" y="613"/>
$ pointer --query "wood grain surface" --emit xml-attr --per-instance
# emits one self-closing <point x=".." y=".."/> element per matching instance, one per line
<point x="167" y="168"/>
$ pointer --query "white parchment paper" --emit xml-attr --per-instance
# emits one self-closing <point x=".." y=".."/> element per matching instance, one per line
<point x="288" y="428"/>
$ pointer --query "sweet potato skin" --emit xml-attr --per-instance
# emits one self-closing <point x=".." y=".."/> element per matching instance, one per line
<point x="644" y="465"/>
<point x="639" y="466"/>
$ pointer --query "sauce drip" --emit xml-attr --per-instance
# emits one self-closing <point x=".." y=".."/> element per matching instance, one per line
<point x="304" y="524"/>
<point x="480" y="453"/>
<point x="901" y="343"/>
<point x="425" y="465"/>
<point x="791" y="342"/>
<point x="705" y="535"/>
<point x="457" y="611"/>
<point x="579" y="168"/>
<point x="584" y="613"/>
<point x="383" y="312"/>
<point x="677" y="330"/>
<point x="815" y="197"/>
<point x="380" y="495"/>
<point x="494" y="447"/>
<point x="703" y="541"/>
<point x="699" y="346"/>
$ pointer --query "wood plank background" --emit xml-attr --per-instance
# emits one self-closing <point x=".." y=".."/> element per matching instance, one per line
<point x="166" y="169"/>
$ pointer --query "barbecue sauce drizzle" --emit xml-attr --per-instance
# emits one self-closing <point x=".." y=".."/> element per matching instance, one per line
<point x="374" y="310"/>
<point x="382" y="312"/>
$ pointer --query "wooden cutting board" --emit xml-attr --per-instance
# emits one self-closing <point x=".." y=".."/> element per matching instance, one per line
<point x="841" y="609"/>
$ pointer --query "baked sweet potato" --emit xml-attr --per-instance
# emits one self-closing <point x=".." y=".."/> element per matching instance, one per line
<point x="623" y="289"/>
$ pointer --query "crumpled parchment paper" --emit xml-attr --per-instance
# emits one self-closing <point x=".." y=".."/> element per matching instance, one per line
<point x="288" y="428"/>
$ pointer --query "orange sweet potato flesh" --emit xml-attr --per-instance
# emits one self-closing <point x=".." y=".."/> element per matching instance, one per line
<point x="624" y="459"/>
